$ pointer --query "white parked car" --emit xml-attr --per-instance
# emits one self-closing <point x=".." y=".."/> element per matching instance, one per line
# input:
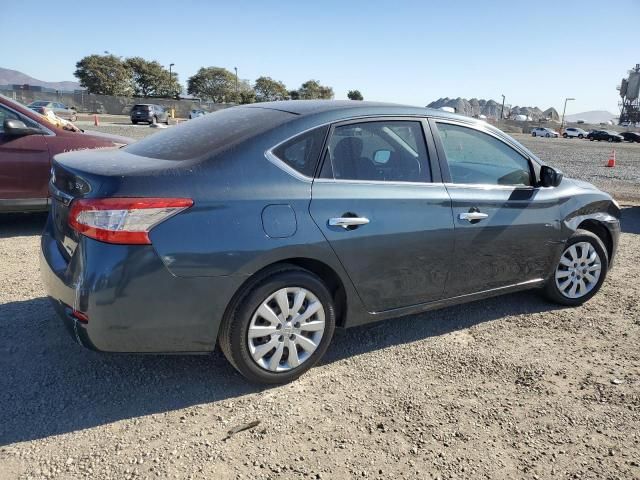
<point x="543" y="132"/>
<point x="196" y="113"/>
<point x="572" y="132"/>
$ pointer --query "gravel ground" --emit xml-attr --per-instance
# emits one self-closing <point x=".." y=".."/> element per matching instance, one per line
<point x="508" y="388"/>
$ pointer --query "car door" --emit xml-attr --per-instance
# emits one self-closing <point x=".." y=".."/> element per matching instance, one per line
<point x="24" y="160"/>
<point x="380" y="203"/>
<point x="507" y="230"/>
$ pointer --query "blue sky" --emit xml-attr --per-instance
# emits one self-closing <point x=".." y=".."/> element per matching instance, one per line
<point x="535" y="53"/>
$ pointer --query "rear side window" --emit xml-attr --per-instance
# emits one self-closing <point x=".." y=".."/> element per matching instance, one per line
<point x="210" y="135"/>
<point x="302" y="152"/>
<point x="475" y="157"/>
<point x="391" y="151"/>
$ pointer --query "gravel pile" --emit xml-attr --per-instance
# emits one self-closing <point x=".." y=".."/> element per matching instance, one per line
<point x="512" y="387"/>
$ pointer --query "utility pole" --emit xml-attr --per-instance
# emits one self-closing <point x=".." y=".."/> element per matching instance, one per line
<point x="502" y="109"/>
<point x="563" y="112"/>
<point x="237" y="99"/>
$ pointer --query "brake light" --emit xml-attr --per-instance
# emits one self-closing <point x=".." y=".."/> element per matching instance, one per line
<point x="123" y="220"/>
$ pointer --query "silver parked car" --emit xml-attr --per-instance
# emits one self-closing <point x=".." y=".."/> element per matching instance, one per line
<point x="60" y="109"/>
<point x="544" y="132"/>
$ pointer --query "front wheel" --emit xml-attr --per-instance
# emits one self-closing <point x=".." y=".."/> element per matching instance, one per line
<point x="564" y="135"/>
<point x="580" y="270"/>
<point x="533" y="134"/>
<point x="580" y="136"/>
<point x="610" y="139"/>
<point x="548" y="135"/>
<point x="279" y="327"/>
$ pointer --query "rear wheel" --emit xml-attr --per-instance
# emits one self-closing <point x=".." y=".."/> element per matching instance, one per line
<point x="564" y="135"/>
<point x="579" y="271"/>
<point x="153" y="121"/>
<point x="610" y="139"/>
<point x="533" y="134"/>
<point x="135" y="122"/>
<point x="279" y="327"/>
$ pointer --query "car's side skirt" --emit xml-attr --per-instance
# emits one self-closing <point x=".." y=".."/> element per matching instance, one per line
<point x="446" y="302"/>
<point x="17" y="205"/>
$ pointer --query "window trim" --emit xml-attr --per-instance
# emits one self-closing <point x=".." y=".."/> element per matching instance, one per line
<point x="444" y="165"/>
<point x="428" y="142"/>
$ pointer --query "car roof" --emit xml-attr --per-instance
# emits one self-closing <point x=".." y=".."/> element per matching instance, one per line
<point x="351" y="108"/>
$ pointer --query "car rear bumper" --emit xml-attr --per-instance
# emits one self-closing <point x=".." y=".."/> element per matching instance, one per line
<point x="133" y="303"/>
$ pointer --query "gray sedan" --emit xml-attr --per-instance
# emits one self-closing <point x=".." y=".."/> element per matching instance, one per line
<point x="60" y="109"/>
<point x="264" y="227"/>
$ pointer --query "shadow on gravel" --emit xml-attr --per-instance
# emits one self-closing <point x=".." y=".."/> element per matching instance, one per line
<point x="22" y="224"/>
<point x="630" y="222"/>
<point x="50" y="385"/>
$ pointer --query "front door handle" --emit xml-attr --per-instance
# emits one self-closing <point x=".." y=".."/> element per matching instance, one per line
<point x="348" y="222"/>
<point x="472" y="216"/>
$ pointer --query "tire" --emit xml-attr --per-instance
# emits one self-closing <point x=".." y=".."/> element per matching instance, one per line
<point x="548" y="135"/>
<point x="564" y="135"/>
<point x="135" y="122"/>
<point x="580" y="136"/>
<point x="578" y="240"/>
<point x="533" y="134"/>
<point x="244" y="312"/>
<point x="610" y="139"/>
<point x="153" y="121"/>
<point x="591" y="139"/>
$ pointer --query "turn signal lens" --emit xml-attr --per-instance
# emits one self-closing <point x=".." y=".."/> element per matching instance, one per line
<point x="123" y="220"/>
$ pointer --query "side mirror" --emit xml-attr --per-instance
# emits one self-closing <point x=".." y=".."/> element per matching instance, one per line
<point x="17" y="128"/>
<point x="381" y="156"/>
<point x="550" y="177"/>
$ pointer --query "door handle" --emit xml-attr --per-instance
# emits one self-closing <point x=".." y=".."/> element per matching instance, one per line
<point x="472" y="216"/>
<point x="346" y="222"/>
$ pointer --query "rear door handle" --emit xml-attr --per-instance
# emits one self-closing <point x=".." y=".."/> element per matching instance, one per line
<point x="472" y="216"/>
<point x="347" y="222"/>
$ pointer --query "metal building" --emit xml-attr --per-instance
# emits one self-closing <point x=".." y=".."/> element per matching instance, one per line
<point x="630" y="92"/>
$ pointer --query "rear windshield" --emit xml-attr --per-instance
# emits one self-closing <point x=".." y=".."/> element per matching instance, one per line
<point x="209" y="134"/>
<point x="141" y="107"/>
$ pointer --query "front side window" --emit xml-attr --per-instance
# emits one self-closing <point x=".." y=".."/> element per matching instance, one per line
<point x="392" y="151"/>
<point x="302" y="152"/>
<point x="475" y="157"/>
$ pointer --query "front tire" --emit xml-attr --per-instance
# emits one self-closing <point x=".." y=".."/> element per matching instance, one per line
<point x="580" y="270"/>
<point x="533" y="134"/>
<point x="580" y="136"/>
<point x="548" y="135"/>
<point x="564" y="135"/>
<point x="279" y="326"/>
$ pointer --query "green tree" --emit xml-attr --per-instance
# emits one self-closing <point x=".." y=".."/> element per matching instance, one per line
<point x="150" y="79"/>
<point x="312" y="89"/>
<point x="246" y="92"/>
<point x="213" y="83"/>
<point x="269" y="90"/>
<point x="355" y="95"/>
<point x="104" y="75"/>
<point x="294" y="94"/>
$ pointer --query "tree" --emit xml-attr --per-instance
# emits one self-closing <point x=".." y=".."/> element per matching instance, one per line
<point x="294" y="94"/>
<point x="355" y="95"/>
<point x="312" y="89"/>
<point x="150" y="79"/>
<point x="213" y="83"/>
<point x="269" y="90"/>
<point x="246" y="92"/>
<point x="104" y="75"/>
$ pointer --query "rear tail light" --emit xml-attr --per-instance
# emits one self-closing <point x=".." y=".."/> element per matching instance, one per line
<point x="123" y="220"/>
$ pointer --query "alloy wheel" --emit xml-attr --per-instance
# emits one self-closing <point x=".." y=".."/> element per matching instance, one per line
<point x="286" y="329"/>
<point x="579" y="270"/>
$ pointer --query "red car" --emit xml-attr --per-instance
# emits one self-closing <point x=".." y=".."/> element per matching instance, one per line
<point x="28" y="142"/>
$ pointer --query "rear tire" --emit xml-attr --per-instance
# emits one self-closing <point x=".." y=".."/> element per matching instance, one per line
<point x="577" y="268"/>
<point x="564" y="135"/>
<point x="153" y="121"/>
<point x="247" y="312"/>
<point x="533" y="134"/>
<point x="610" y="139"/>
<point x="135" y="122"/>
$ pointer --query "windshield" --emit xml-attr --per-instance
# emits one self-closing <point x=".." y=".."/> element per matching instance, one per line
<point x="209" y="134"/>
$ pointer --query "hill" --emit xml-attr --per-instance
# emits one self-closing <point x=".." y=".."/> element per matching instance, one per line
<point x="491" y="109"/>
<point x="593" y="116"/>
<point x="10" y="77"/>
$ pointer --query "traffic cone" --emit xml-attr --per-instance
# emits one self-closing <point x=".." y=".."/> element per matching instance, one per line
<point x="612" y="159"/>
<point x="96" y="121"/>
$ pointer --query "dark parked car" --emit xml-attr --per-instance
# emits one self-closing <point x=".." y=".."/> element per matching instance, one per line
<point x="631" y="136"/>
<point x="28" y="142"/>
<point x="60" y="109"/>
<point x="608" y="136"/>
<point x="264" y="227"/>
<point x="149" y="113"/>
